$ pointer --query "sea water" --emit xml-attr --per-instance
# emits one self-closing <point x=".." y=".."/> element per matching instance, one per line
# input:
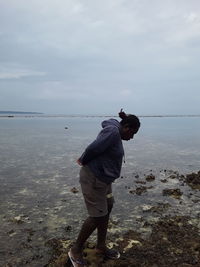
<point x="38" y="170"/>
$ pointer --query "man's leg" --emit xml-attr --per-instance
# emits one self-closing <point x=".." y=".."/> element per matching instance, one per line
<point x="88" y="227"/>
<point x="101" y="236"/>
<point x="103" y="227"/>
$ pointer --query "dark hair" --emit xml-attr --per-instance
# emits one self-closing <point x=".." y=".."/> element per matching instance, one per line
<point x="130" y="120"/>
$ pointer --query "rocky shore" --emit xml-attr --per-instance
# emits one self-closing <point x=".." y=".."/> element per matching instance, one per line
<point x="172" y="240"/>
<point x="162" y="238"/>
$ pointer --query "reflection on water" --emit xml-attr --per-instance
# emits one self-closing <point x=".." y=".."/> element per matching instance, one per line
<point x="38" y="170"/>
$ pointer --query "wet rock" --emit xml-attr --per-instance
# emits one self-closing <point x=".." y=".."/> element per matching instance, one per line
<point x="132" y="243"/>
<point x="173" y="176"/>
<point x="164" y="180"/>
<point x="195" y="200"/>
<point x="139" y="190"/>
<point x="193" y="180"/>
<point x="11" y="233"/>
<point x="160" y="208"/>
<point x="68" y="228"/>
<point x="18" y="219"/>
<point x="74" y="190"/>
<point x="173" y="242"/>
<point x="150" y="178"/>
<point x="90" y="245"/>
<point x="146" y="208"/>
<point x="113" y="222"/>
<point x="59" y="252"/>
<point x="181" y="177"/>
<point x="176" y="193"/>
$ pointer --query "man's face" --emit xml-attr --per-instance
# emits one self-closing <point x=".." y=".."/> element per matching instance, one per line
<point x="128" y="133"/>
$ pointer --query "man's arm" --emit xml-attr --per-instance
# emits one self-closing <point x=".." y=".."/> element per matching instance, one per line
<point x="105" y="139"/>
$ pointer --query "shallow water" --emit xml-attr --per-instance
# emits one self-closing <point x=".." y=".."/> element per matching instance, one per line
<point x="38" y="169"/>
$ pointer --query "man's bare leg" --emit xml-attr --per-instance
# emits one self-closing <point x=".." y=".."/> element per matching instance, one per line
<point x="88" y="227"/>
<point x="102" y="233"/>
<point x="103" y="227"/>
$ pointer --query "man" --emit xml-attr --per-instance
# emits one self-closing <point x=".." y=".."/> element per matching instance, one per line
<point x="100" y="166"/>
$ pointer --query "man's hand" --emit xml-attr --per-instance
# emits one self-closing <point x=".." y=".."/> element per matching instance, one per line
<point x="79" y="163"/>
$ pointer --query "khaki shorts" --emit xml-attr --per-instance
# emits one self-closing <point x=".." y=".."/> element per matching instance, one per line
<point x="97" y="195"/>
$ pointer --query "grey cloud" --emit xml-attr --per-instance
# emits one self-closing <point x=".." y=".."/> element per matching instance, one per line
<point x="55" y="54"/>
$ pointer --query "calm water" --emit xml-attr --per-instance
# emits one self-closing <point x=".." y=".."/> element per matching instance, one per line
<point x="38" y="169"/>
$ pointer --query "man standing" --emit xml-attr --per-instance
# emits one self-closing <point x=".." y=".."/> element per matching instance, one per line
<point x="100" y="165"/>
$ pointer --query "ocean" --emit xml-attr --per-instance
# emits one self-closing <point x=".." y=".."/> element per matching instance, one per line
<point x="38" y="171"/>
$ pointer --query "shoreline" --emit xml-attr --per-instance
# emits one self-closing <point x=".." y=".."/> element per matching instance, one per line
<point x="154" y="236"/>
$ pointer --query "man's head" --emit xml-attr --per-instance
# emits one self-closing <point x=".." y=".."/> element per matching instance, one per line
<point x="130" y="125"/>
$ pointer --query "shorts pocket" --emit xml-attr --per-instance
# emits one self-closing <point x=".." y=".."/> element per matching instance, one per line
<point x="99" y="184"/>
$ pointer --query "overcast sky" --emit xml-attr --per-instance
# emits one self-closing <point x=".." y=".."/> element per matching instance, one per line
<point x="94" y="57"/>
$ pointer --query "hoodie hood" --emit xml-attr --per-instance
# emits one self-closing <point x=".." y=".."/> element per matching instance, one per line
<point x="111" y="122"/>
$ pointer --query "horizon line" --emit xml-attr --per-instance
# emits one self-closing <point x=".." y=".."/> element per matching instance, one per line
<point x="39" y="114"/>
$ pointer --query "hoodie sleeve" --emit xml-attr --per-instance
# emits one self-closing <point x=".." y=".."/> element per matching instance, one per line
<point x="106" y="138"/>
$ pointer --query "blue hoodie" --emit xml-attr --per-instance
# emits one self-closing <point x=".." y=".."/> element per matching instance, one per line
<point x="104" y="155"/>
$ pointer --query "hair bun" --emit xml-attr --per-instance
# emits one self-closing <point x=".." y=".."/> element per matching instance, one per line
<point x="122" y="114"/>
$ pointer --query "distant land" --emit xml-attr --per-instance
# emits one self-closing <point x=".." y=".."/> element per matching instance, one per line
<point x="9" y="113"/>
<point x="18" y="112"/>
